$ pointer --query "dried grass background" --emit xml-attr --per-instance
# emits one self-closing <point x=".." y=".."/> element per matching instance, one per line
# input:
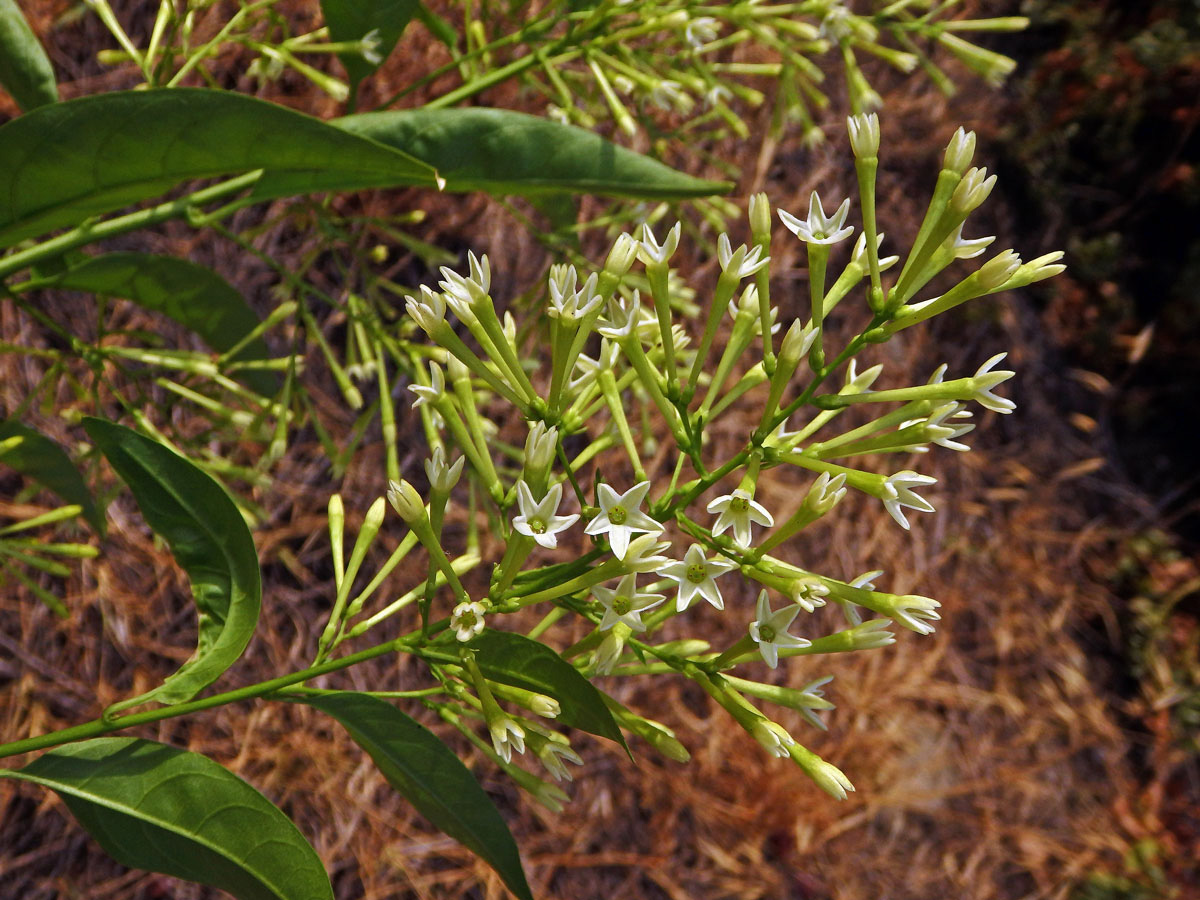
<point x="992" y="759"/>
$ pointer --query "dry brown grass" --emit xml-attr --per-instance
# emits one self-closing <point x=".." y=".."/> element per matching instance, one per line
<point x="990" y="759"/>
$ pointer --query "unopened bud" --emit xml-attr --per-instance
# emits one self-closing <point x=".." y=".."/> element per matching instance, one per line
<point x="960" y="151"/>
<point x="621" y="257"/>
<point x="406" y="501"/>
<point x="864" y="135"/>
<point x="999" y="269"/>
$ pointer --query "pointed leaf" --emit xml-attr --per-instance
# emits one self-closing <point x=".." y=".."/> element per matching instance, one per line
<point x="422" y="768"/>
<point x="352" y="20"/>
<point x="515" y="659"/>
<point x="436" y="25"/>
<point x="505" y="152"/>
<point x="63" y="163"/>
<point x="209" y="539"/>
<point x="25" y="72"/>
<point x="43" y="460"/>
<point x="192" y="295"/>
<point x="160" y="808"/>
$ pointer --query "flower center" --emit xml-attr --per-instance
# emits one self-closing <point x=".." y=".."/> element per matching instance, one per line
<point x="766" y="634"/>
<point x="537" y="526"/>
<point x="617" y="515"/>
<point x="739" y="504"/>
<point x="622" y="605"/>
<point x="697" y="574"/>
<point x="467" y="619"/>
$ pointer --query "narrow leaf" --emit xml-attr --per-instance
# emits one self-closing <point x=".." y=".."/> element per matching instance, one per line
<point x="63" y="163"/>
<point x="422" y="768"/>
<point x="515" y="659"/>
<point x="192" y="295"/>
<point x="353" y="20"/>
<point x="155" y="807"/>
<point x="505" y="152"/>
<point x="436" y="25"/>
<point x="25" y="72"/>
<point x="43" y="460"/>
<point x="209" y="539"/>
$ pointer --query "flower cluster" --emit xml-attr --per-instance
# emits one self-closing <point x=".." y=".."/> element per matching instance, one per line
<point x="626" y="375"/>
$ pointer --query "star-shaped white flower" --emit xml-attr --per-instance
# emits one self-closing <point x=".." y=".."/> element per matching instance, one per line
<point x="964" y="248"/>
<point x="739" y="263"/>
<point x="552" y="752"/>
<point x="567" y="302"/>
<point x="428" y="394"/>
<point x="651" y="252"/>
<point x="859" y="255"/>
<point x="467" y="619"/>
<point x="507" y="735"/>
<point x="696" y="576"/>
<point x="625" y="603"/>
<point x="819" y="228"/>
<point x="620" y="517"/>
<point x="898" y="489"/>
<point x="738" y="511"/>
<point x="442" y="477"/>
<point x="984" y="380"/>
<point x="770" y="630"/>
<point x="621" y="318"/>
<point x="429" y="311"/>
<point x="467" y="289"/>
<point x="540" y="520"/>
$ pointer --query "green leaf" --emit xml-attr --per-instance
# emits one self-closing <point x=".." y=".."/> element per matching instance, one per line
<point x="63" y="163"/>
<point x="352" y="20"/>
<point x="418" y="765"/>
<point x="209" y="539"/>
<point x="25" y="72"/>
<point x="48" y="464"/>
<point x="160" y="808"/>
<point x="515" y="659"/>
<point x="192" y="295"/>
<point x="505" y="152"/>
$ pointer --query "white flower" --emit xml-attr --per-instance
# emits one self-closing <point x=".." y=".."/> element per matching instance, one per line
<point x="540" y="446"/>
<point x="898" y="492"/>
<point x="773" y="737"/>
<point x="826" y="493"/>
<point x="625" y="604"/>
<point x="700" y="30"/>
<point x="620" y="517"/>
<point x="857" y="383"/>
<point x="540" y="520"/>
<point x="427" y="395"/>
<point x="912" y="611"/>
<point x="819" y="228"/>
<point x="644" y="554"/>
<point x="442" y="477"/>
<point x="871" y="635"/>
<point x="944" y="433"/>
<point x="864" y="135"/>
<point x="507" y="735"/>
<point x="369" y="47"/>
<point x="859" y="255"/>
<point x="565" y="301"/>
<point x="747" y="306"/>
<point x="469" y="288"/>
<point x="983" y="382"/>
<point x="740" y="263"/>
<point x="589" y="368"/>
<point x="621" y="318"/>
<point x="669" y="95"/>
<point x="553" y="752"/>
<point x="770" y="630"/>
<point x="968" y="249"/>
<point x="697" y="576"/>
<point x="650" y="252"/>
<point x="738" y="511"/>
<point x="808" y="592"/>
<point x="429" y="311"/>
<point x="467" y="619"/>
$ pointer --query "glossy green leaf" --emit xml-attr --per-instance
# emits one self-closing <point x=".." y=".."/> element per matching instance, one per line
<point x="155" y="807"/>
<point x="63" y="163"/>
<point x="43" y="460"/>
<point x="210" y="541"/>
<point x="352" y="20"/>
<point x="515" y="659"/>
<point x="25" y="72"/>
<point x="418" y="765"/>
<point x="194" y="296"/>
<point x="505" y="152"/>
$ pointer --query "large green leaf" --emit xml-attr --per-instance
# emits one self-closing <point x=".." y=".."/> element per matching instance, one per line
<point x="63" y="163"/>
<point x="210" y="541"/>
<point x="515" y="659"/>
<point x="25" y="72"/>
<point x="352" y="20"/>
<point x="505" y="152"/>
<point x="192" y="295"/>
<point x="160" y="808"/>
<point x="47" y="463"/>
<point x="418" y="765"/>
